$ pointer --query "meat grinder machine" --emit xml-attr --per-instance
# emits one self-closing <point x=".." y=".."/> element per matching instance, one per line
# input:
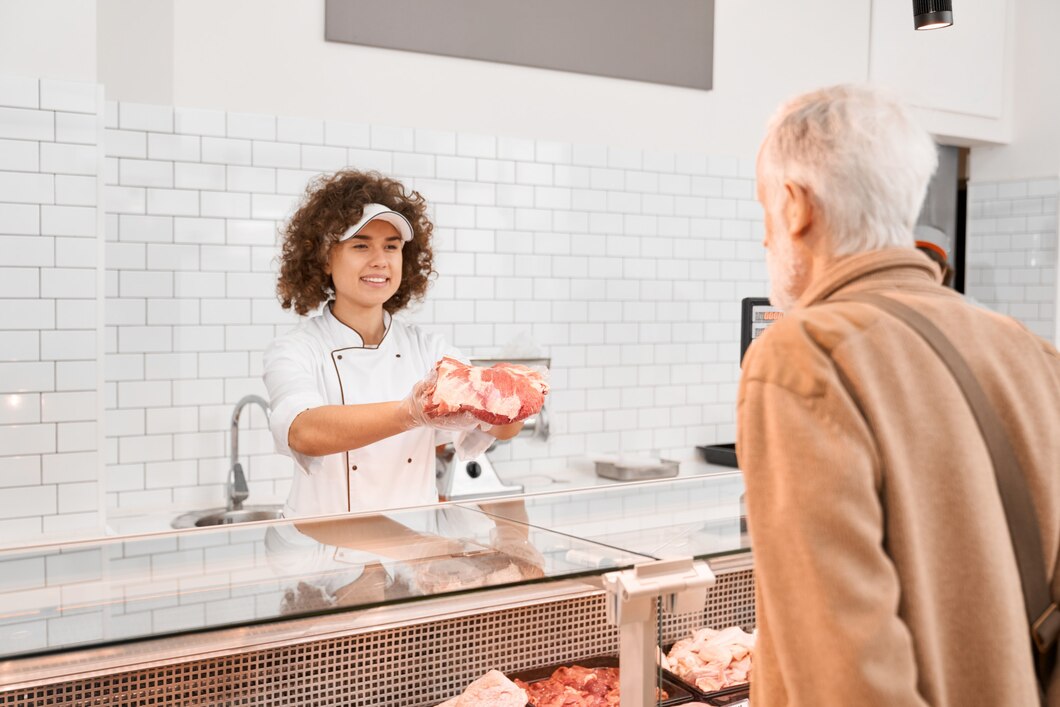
<point x="462" y="479"/>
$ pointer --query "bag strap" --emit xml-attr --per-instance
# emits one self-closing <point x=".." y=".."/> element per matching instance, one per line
<point x="1042" y="613"/>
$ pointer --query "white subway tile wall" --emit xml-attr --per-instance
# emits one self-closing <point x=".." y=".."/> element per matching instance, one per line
<point x="49" y="299"/>
<point x="1012" y="250"/>
<point x="625" y="267"/>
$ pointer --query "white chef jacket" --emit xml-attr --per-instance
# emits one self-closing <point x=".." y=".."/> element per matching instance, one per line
<point x="325" y="362"/>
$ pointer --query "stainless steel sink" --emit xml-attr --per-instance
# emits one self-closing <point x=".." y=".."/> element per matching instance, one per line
<point x="235" y="488"/>
<point x="222" y="516"/>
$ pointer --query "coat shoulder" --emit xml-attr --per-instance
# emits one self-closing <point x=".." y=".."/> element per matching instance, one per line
<point x="796" y="352"/>
<point x="308" y="337"/>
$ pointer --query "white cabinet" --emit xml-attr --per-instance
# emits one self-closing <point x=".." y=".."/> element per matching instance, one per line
<point x="957" y="77"/>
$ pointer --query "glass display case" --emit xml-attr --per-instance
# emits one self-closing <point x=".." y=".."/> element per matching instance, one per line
<point x="116" y="605"/>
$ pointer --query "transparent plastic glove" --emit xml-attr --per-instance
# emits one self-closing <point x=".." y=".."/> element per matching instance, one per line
<point x="458" y="422"/>
<point x="474" y="442"/>
<point x="512" y="541"/>
<point x="413" y="414"/>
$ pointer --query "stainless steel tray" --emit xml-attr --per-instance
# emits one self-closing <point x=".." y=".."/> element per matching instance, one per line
<point x="637" y="471"/>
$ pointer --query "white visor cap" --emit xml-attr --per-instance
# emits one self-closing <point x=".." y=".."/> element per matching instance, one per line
<point x="378" y="211"/>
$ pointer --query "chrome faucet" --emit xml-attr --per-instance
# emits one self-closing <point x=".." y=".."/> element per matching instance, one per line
<point x="237" y="480"/>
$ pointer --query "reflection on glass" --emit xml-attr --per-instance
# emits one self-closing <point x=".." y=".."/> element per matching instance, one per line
<point x="696" y="518"/>
<point x="365" y="560"/>
<point x="63" y="596"/>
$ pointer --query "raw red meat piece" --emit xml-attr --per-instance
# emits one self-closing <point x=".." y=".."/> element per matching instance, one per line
<point x="500" y="394"/>
<point x="578" y="687"/>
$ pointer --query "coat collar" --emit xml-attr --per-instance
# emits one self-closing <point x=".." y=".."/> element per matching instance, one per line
<point x="344" y="336"/>
<point x="891" y="267"/>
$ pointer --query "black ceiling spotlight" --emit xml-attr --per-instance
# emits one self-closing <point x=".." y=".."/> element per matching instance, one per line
<point x="932" y="14"/>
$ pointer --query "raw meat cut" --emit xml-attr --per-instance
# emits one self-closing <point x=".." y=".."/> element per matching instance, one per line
<point x="578" y="687"/>
<point x="500" y="394"/>
<point x="712" y="660"/>
<point x="490" y="690"/>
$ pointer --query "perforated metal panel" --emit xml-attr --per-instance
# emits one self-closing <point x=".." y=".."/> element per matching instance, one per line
<point x="731" y="602"/>
<point x="411" y="666"/>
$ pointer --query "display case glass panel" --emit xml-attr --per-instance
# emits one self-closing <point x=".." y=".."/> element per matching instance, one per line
<point x="694" y="517"/>
<point x="94" y="593"/>
<point x="105" y="592"/>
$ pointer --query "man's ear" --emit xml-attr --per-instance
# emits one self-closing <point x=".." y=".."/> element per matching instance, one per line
<point x="798" y="209"/>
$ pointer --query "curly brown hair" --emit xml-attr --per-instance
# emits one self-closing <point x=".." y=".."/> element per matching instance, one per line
<point x="332" y="204"/>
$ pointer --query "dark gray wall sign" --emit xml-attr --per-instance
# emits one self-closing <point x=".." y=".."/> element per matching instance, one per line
<point x="660" y="41"/>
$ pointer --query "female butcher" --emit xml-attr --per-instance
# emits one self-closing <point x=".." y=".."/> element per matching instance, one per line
<point x="342" y="383"/>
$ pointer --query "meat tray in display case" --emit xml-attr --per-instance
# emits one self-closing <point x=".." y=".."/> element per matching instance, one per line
<point x="402" y="608"/>
<point x="715" y="665"/>
<point x="596" y="678"/>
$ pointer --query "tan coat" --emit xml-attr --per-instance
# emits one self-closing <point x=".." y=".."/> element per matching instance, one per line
<point x="885" y="575"/>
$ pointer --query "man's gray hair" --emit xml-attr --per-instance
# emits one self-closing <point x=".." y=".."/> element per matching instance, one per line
<point x="863" y="158"/>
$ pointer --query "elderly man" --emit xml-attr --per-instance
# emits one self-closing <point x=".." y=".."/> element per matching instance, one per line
<point x="884" y="567"/>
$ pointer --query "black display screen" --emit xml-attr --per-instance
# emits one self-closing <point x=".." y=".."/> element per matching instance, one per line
<point x="756" y="316"/>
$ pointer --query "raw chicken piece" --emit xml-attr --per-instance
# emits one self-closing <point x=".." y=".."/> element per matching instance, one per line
<point x="712" y="660"/>
<point x="490" y="690"/>
<point x="500" y="394"/>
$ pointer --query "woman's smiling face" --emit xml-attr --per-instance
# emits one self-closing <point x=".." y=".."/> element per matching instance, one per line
<point x="366" y="268"/>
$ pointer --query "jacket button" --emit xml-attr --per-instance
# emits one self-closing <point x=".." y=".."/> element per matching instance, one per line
<point x="353" y="468"/>
<point x="397" y="355"/>
<point x="339" y="357"/>
<point x="410" y="460"/>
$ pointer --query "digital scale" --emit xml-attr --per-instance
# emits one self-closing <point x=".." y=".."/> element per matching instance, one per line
<point x="756" y="315"/>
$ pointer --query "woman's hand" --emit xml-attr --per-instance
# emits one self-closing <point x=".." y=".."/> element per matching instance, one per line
<point x="505" y="431"/>
<point x="413" y="414"/>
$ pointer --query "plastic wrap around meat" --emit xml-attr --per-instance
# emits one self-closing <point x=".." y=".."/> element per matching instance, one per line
<point x="578" y="687"/>
<point x="490" y="690"/>
<point x="712" y="660"/>
<point x="500" y="394"/>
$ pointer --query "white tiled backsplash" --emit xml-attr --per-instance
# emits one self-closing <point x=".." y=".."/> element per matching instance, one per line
<point x="626" y="267"/>
<point x="1012" y="244"/>
<point x="50" y="299"/>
